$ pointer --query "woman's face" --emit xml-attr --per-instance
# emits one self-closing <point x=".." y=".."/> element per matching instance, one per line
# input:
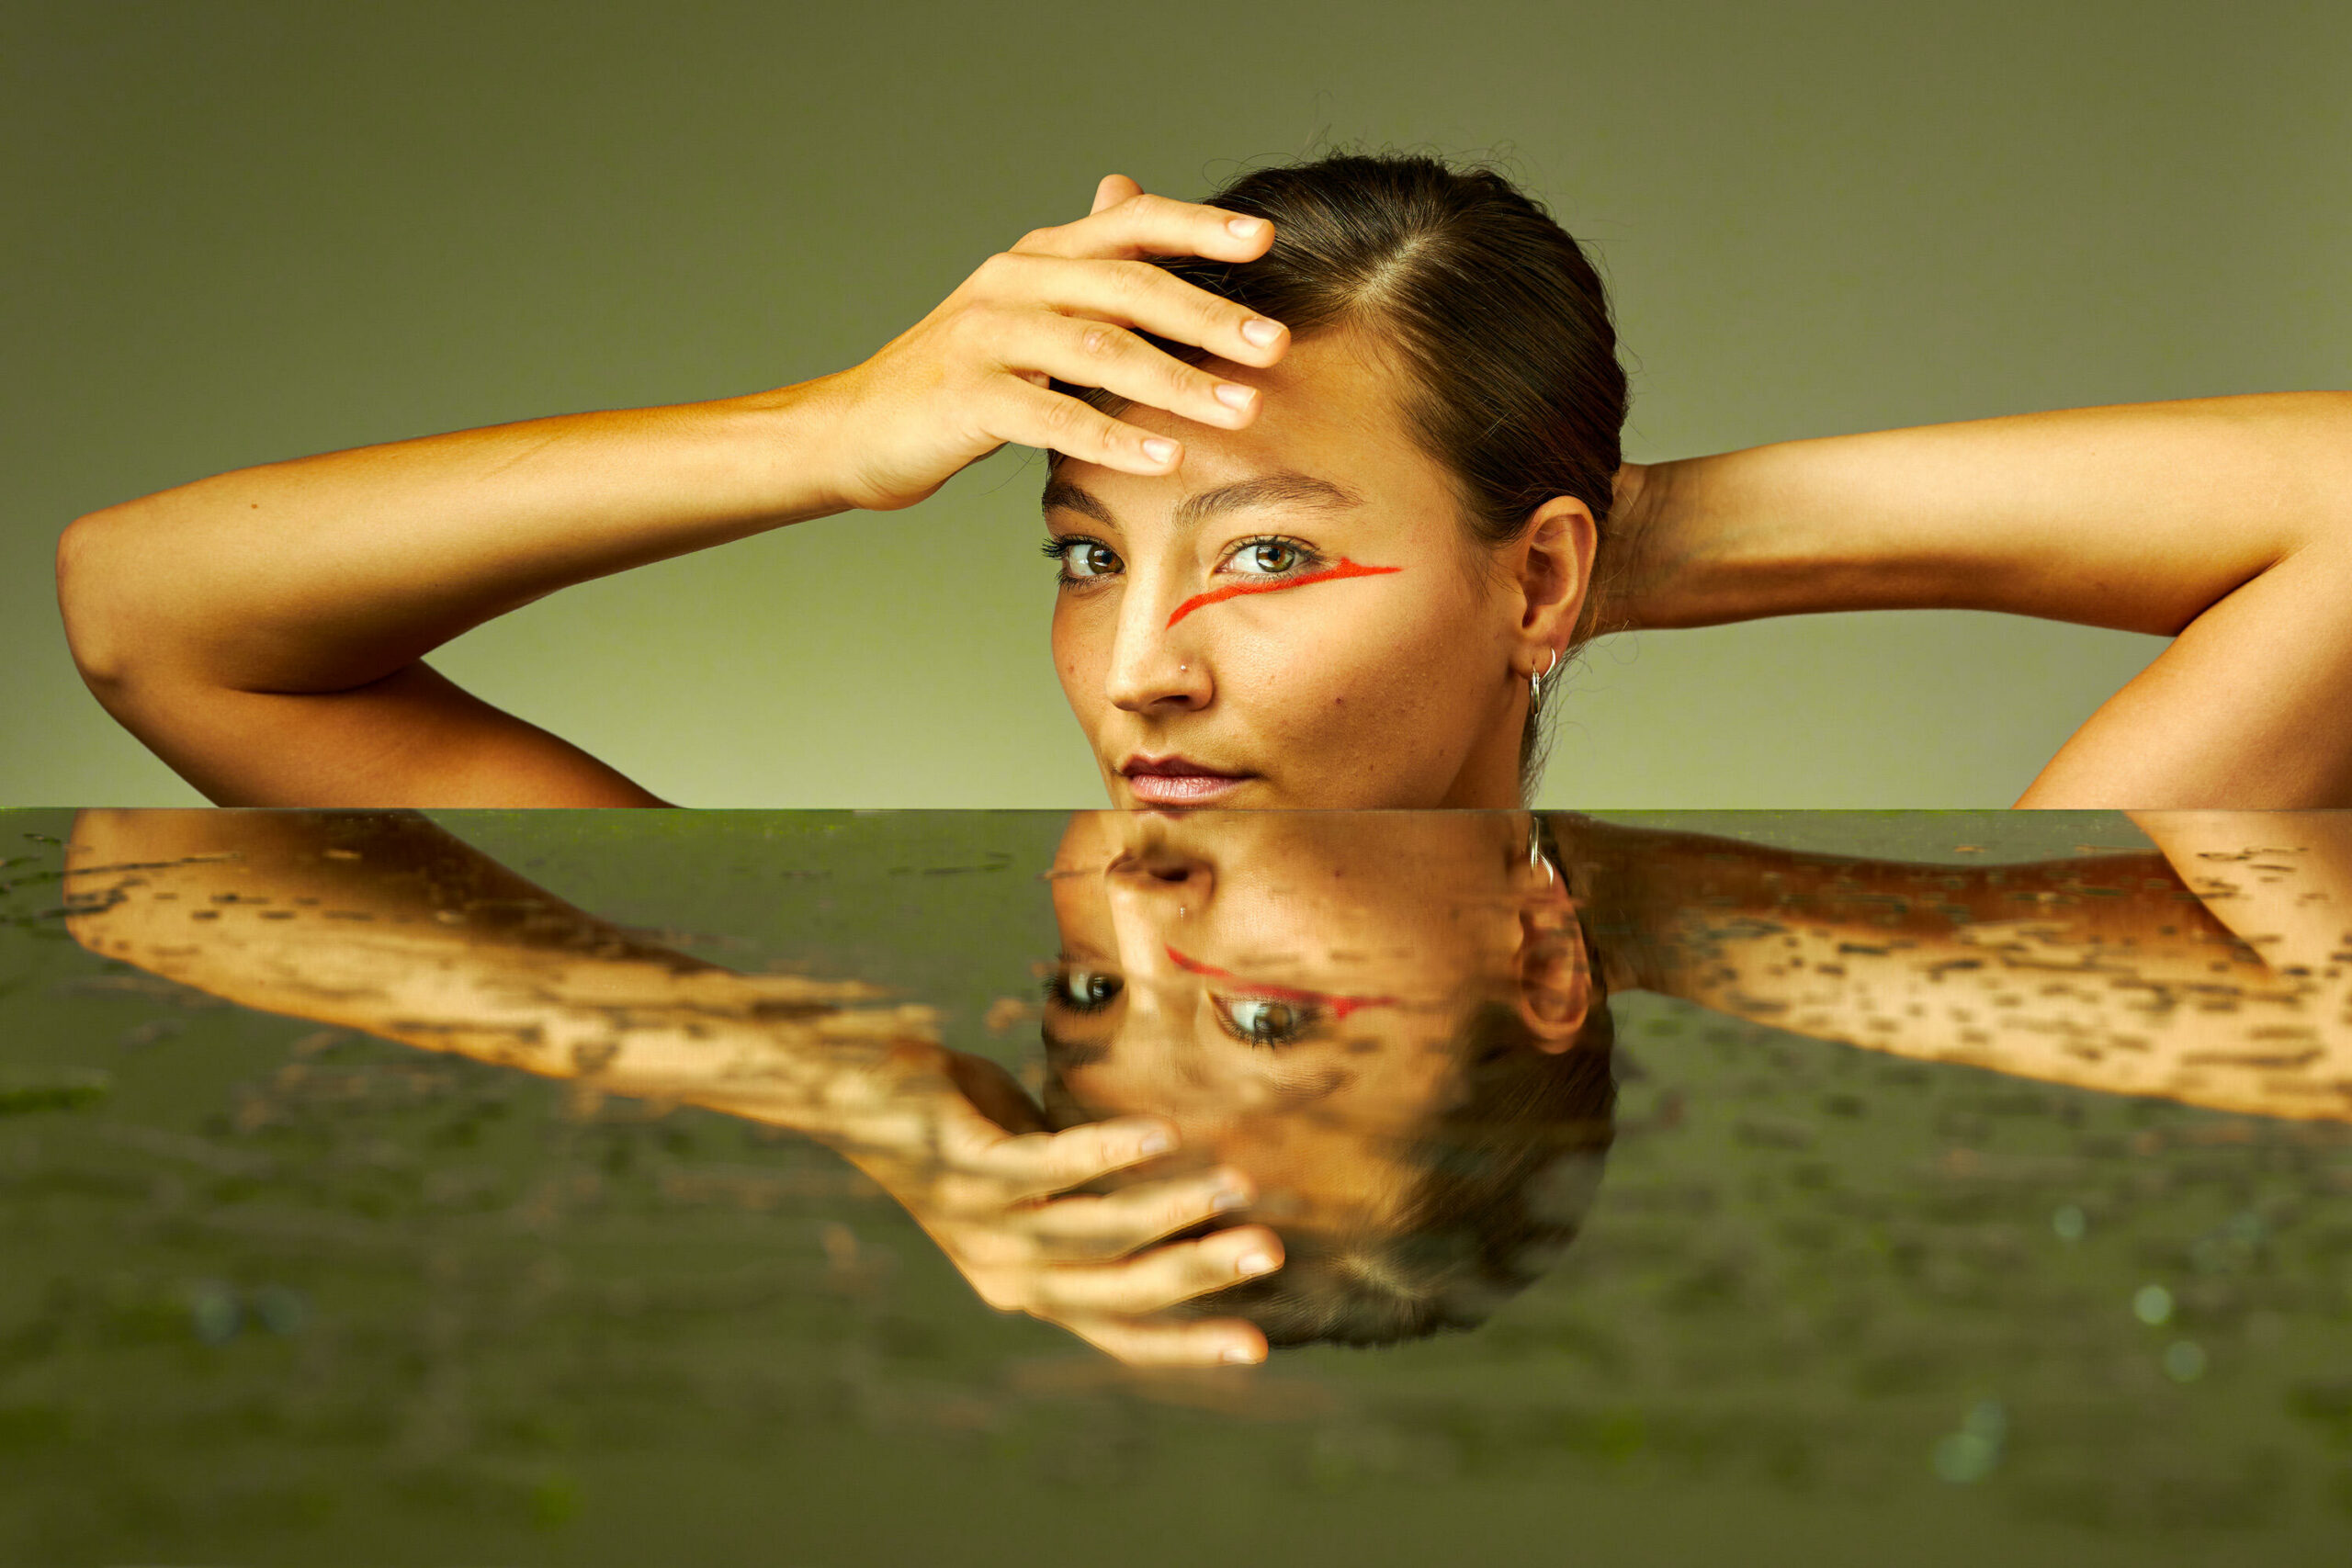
<point x="1287" y="987"/>
<point x="1294" y="616"/>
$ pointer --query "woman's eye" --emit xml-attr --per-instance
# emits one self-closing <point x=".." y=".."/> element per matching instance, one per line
<point x="1082" y="990"/>
<point x="1267" y="557"/>
<point x="1262" y="1020"/>
<point x="1083" y="559"/>
<point x="1092" y="560"/>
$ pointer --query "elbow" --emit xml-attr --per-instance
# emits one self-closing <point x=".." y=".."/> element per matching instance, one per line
<point x="92" y="600"/>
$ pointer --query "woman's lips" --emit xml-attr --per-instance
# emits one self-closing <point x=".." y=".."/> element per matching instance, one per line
<point x="1173" y="781"/>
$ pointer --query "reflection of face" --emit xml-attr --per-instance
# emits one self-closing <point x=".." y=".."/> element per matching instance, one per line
<point x="1286" y="987"/>
<point x="1324" y="636"/>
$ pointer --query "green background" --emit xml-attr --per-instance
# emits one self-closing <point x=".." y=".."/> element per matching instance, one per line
<point x="243" y="232"/>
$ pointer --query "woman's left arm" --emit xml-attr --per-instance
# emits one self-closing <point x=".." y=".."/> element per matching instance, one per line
<point x="2224" y="523"/>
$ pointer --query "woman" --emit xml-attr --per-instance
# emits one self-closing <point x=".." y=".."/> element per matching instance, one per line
<point x="1386" y="386"/>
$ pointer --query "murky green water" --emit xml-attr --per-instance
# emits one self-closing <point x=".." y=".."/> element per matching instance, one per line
<point x="274" y="1290"/>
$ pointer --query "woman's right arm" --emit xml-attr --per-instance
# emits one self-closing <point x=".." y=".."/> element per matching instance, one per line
<point x="263" y="631"/>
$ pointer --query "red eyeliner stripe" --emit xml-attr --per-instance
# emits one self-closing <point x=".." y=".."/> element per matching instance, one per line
<point x="1234" y="591"/>
<point x="1341" y="1006"/>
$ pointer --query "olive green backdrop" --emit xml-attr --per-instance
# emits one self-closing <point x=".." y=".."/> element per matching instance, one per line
<point x="239" y="233"/>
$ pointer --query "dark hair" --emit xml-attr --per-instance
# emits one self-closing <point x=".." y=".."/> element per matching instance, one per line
<point x="1506" y="1178"/>
<point x="1498" y="325"/>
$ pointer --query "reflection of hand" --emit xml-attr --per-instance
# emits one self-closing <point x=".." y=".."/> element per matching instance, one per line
<point x="1064" y="303"/>
<point x="956" y="1141"/>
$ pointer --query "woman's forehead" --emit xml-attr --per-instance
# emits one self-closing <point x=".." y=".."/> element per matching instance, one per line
<point x="1327" y="414"/>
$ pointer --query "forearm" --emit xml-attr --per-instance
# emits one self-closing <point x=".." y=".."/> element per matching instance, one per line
<point x="2106" y="973"/>
<point x="325" y="573"/>
<point x="388" y="925"/>
<point x="2138" y="517"/>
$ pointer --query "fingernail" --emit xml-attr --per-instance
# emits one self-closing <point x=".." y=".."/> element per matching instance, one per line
<point x="1262" y="332"/>
<point x="1246" y="228"/>
<point x="1159" y="451"/>
<point x="1228" y="1197"/>
<point x="1155" y="1143"/>
<point x="1239" y="1356"/>
<point x="1255" y="1263"/>
<point x="1233" y="396"/>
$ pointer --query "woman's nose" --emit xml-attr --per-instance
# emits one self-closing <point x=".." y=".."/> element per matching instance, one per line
<point x="1160" y="872"/>
<point x="1152" y="668"/>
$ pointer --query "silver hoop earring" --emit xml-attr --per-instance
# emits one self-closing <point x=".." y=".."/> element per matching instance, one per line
<point x="1535" y="691"/>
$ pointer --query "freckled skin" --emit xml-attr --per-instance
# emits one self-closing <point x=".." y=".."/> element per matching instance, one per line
<point x="1263" y="684"/>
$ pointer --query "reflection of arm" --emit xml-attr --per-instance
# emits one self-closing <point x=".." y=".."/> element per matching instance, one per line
<point x="2106" y="972"/>
<point x="2224" y="523"/>
<point x="387" y="924"/>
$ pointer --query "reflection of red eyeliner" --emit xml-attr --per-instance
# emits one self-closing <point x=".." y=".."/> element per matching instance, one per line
<point x="1234" y="591"/>
<point x="1341" y="1006"/>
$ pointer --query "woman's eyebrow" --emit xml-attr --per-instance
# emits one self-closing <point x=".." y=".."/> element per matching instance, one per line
<point x="1060" y="497"/>
<point x="1284" y="489"/>
<point x="1265" y="490"/>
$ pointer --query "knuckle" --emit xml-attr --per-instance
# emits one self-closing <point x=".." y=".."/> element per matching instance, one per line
<point x="979" y="327"/>
<point x="1136" y="280"/>
<point x="1062" y="417"/>
<point x="1190" y="380"/>
<point x="1097" y="341"/>
<point x="1000" y="1292"/>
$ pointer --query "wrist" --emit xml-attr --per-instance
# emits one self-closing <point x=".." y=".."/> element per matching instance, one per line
<point x="1628" y="576"/>
<point x="798" y="441"/>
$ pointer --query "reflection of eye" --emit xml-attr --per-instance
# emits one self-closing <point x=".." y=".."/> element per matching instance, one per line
<point x="1082" y="990"/>
<point x="1269" y="557"/>
<point x="1083" y="559"/>
<point x="1264" y="1020"/>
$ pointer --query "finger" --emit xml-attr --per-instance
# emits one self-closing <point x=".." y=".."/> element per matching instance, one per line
<point x="1146" y="225"/>
<point x="1096" y="354"/>
<point x="1229" y="1341"/>
<point x="1152" y="1280"/>
<point x="1035" y="416"/>
<point x="1038" y="1164"/>
<point x="1113" y="1223"/>
<point x="1136" y="294"/>
<point x="1112" y="190"/>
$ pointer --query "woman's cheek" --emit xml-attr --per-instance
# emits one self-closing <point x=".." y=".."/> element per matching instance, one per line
<point x="1077" y="661"/>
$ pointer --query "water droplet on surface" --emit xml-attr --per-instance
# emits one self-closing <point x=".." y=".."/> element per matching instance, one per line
<point x="1963" y="1457"/>
<point x="212" y="1311"/>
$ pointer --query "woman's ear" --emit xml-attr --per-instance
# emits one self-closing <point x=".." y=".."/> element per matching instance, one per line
<point x="1552" y="562"/>
<point x="1556" y="991"/>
